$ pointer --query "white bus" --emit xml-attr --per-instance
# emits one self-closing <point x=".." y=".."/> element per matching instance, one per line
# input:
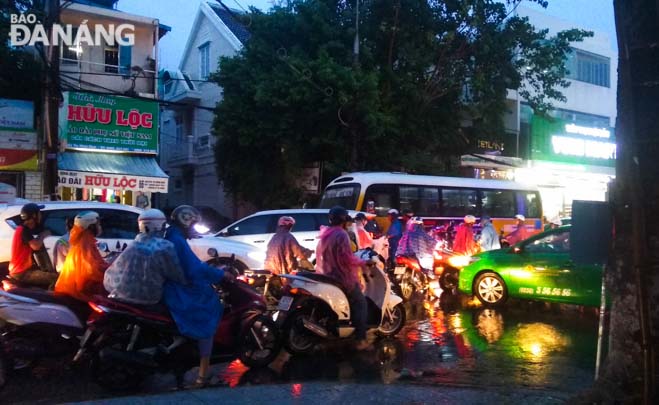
<point x="439" y="200"/>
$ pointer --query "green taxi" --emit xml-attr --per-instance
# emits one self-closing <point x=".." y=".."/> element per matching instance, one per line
<point x="538" y="268"/>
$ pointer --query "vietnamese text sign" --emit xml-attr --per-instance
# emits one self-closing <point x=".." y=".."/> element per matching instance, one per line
<point x="18" y="150"/>
<point x="559" y="141"/>
<point x="109" y="123"/>
<point x="114" y="181"/>
<point x="16" y="114"/>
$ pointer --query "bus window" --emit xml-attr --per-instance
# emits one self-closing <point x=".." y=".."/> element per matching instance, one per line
<point x="528" y="204"/>
<point x="384" y="196"/>
<point x="459" y="202"/>
<point x="344" y="195"/>
<point x="423" y="201"/>
<point x="498" y="203"/>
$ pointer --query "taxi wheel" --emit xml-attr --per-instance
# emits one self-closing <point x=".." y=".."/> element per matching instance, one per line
<point x="490" y="289"/>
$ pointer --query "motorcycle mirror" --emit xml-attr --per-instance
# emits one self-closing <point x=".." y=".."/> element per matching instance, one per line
<point x="212" y="252"/>
<point x="124" y="247"/>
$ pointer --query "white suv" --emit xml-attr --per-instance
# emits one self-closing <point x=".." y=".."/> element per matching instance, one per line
<point x="257" y="229"/>
<point x="119" y="223"/>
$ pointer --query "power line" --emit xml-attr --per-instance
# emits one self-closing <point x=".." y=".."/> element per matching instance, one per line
<point x="108" y="91"/>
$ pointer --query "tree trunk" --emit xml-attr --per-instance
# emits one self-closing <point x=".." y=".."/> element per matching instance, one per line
<point x="628" y="374"/>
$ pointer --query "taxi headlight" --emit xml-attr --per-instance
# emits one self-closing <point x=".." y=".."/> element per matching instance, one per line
<point x="259" y="256"/>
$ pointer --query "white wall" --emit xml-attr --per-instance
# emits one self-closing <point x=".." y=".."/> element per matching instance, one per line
<point x="581" y="96"/>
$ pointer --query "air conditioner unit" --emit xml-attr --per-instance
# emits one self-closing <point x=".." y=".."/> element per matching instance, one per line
<point x="204" y="142"/>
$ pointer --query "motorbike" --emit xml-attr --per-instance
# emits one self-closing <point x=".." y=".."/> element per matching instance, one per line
<point x="36" y="324"/>
<point x="315" y="307"/>
<point x="125" y="343"/>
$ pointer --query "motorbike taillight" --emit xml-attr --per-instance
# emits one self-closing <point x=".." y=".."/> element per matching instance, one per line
<point x="97" y="308"/>
<point x="6" y="285"/>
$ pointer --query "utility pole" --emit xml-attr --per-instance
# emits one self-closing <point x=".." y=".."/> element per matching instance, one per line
<point x="51" y="99"/>
<point x="355" y="46"/>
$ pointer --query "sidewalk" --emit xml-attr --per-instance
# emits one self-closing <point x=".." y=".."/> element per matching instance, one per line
<point x="325" y="393"/>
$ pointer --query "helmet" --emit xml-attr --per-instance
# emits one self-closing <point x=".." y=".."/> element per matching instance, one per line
<point x="416" y="220"/>
<point x="470" y="219"/>
<point x="185" y="216"/>
<point x="360" y="217"/>
<point x="393" y="211"/>
<point x="520" y="217"/>
<point x="30" y="210"/>
<point x="338" y="215"/>
<point x="286" y="221"/>
<point x="87" y="220"/>
<point x="151" y="220"/>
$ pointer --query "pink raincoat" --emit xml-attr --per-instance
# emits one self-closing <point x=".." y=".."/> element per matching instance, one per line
<point x="334" y="257"/>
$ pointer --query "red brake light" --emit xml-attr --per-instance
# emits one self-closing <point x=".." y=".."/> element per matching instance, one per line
<point x="6" y="285"/>
<point x="97" y="308"/>
<point x="401" y="260"/>
<point x="299" y="291"/>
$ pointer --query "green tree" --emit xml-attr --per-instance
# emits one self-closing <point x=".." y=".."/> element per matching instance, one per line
<point x="295" y="94"/>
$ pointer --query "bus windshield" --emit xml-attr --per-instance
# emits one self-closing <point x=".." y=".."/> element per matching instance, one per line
<point x="345" y="195"/>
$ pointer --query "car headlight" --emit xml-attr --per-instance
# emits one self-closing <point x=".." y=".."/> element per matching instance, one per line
<point x="201" y="228"/>
<point x="462" y="261"/>
<point x="259" y="256"/>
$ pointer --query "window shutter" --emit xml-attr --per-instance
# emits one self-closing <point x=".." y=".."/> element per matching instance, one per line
<point x="125" y="56"/>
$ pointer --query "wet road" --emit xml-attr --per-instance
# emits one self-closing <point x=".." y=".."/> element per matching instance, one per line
<point x="452" y="343"/>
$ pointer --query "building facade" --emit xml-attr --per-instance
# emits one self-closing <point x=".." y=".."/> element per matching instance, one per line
<point x="109" y="120"/>
<point x="569" y="155"/>
<point x="187" y="141"/>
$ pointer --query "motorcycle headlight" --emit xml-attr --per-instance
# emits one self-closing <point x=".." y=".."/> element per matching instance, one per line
<point x="461" y="261"/>
<point x="427" y="262"/>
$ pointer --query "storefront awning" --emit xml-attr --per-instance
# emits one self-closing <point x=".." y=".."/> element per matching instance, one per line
<point x="111" y="170"/>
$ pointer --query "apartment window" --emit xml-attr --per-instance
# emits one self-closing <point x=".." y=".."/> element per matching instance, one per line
<point x="71" y="54"/>
<point x="111" y="59"/>
<point x="204" y="60"/>
<point x="588" y="67"/>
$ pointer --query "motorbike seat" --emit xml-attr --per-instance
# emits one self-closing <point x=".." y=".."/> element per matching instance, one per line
<point x="157" y="312"/>
<point x="79" y="308"/>
<point x="321" y="278"/>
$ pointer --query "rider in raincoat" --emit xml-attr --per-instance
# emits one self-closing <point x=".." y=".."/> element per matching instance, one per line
<point x="415" y="241"/>
<point x="195" y="306"/>
<point x="82" y="274"/>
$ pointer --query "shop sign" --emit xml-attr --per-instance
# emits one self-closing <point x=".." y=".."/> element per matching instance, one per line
<point x="112" y="181"/>
<point x="18" y="150"/>
<point x="7" y="193"/>
<point x="559" y="141"/>
<point x="16" y="114"/>
<point x="95" y="122"/>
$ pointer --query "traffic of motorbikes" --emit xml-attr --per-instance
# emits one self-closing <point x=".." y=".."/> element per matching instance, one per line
<point x="121" y="344"/>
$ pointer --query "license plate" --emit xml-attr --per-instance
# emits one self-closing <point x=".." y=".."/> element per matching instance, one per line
<point x="399" y="270"/>
<point x="285" y="303"/>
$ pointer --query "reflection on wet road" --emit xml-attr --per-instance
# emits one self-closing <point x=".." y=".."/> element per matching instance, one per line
<point x="448" y="343"/>
<point x="456" y="343"/>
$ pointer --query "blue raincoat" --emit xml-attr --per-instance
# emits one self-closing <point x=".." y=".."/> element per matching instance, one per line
<point x="195" y="306"/>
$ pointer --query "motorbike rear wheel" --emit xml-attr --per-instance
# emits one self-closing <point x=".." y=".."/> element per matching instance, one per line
<point x="260" y="343"/>
<point x="449" y="280"/>
<point x="299" y="340"/>
<point x="406" y="286"/>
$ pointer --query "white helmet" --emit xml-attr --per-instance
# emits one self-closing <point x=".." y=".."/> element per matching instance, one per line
<point x="151" y="220"/>
<point x="520" y="217"/>
<point x="86" y="219"/>
<point x="470" y="219"/>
